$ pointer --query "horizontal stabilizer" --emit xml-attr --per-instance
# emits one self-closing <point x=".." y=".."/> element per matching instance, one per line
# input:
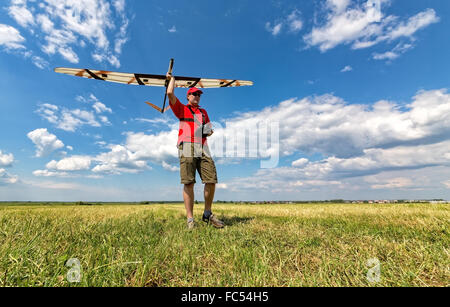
<point x="157" y="108"/>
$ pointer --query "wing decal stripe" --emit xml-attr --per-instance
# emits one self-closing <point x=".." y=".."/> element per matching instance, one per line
<point x="229" y="83"/>
<point x="195" y="83"/>
<point x="139" y="81"/>
<point x="94" y="75"/>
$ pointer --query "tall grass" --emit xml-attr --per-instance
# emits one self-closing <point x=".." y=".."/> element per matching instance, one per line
<point x="262" y="245"/>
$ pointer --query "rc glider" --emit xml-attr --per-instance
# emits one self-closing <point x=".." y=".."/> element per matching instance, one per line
<point x="152" y="80"/>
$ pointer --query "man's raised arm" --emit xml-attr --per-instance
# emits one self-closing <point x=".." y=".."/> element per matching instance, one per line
<point x="170" y="89"/>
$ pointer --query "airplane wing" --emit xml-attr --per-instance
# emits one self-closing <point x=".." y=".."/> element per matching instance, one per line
<point x="150" y="80"/>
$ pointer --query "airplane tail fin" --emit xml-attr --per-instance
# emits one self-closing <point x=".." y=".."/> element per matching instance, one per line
<point x="157" y="108"/>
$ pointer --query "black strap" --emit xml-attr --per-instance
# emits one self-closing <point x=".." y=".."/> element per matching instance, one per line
<point x="196" y="120"/>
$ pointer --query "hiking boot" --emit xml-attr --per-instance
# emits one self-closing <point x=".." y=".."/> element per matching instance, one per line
<point x="213" y="220"/>
<point x="191" y="225"/>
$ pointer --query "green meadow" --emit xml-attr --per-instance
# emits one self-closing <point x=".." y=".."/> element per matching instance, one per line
<point x="262" y="245"/>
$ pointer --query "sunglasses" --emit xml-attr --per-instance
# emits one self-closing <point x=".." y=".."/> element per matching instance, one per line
<point x="196" y="94"/>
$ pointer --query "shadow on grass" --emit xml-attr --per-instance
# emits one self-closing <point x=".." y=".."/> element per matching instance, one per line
<point x="235" y="220"/>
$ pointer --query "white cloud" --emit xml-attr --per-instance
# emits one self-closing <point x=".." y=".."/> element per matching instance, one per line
<point x="355" y="138"/>
<point x="104" y="120"/>
<point x="344" y="25"/>
<point x="100" y="108"/>
<point x="173" y="29"/>
<point x="415" y="23"/>
<point x="274" y="30"/>
<point x="68" y="54"/>
<point x="394" y="53"/>
<point x="45" y="142"/>
<point x="365" y="26"/>
<point x="300" y="162"/>
<point x="118" y="160"/>
<point x="10" y="37"/>
<point x="375" y="160"/>
<point x="161" y="150"/>
<point x="391" y="146"/>
<point x="119" y="5"/>
<point x="292" y="22"/>
<point x="327" y="125"/>
<point x="72" y="119"/>
<point x="21" y="14"/>
<point x="63" y="24"/>
<point x="169" y="167"/>
<point x="6" y="159"/>
<point x="39" y="62"/>
<point x="73" y="163"/>
<point x="346" y="69"/>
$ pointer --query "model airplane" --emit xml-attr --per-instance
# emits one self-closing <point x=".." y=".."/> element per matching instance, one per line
<point x="152" y="80"/>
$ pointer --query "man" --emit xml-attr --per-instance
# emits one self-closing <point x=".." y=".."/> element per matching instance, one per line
<point x="193" y="150"/>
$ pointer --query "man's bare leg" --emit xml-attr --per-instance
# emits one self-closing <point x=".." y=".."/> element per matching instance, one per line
<point x="188" y="196"/>
<point x="210" y="189"/>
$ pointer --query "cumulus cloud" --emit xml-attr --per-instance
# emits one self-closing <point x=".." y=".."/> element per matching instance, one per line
<point x="6" y="159"/>
<point x="73" y="163"/>
<point x="45" y="142"/>
<point x="66" y="167"/>
<point x="352" y="140"/>
<point x="355" y="138"/>
<point x="363" y="26"/>
<point x="329" y="126"/>
<point x="356" y="141"/>
<point x="300" y="162"/>
<point x="154" y="147"/>
<point x="374" y="166"/>
<point x="119" y="159"/>
<point x="61" y="26"/>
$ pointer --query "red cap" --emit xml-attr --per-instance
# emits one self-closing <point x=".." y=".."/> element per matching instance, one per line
<point x="193" y="90"/>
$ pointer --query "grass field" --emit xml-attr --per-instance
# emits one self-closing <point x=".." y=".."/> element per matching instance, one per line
<point x="263" y="245"/>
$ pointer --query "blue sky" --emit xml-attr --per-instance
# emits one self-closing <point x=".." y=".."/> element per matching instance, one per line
<point x="359" y="90"/>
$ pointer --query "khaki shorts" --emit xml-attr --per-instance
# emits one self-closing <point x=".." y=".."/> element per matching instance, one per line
<point x="196" y="157"/>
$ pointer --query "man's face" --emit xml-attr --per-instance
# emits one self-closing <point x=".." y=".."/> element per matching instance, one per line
<point x="194" y="98"/>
